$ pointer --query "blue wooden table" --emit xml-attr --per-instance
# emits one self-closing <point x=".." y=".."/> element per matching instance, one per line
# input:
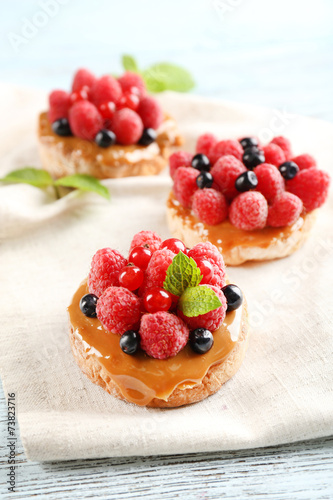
<point x="276" y="53"/>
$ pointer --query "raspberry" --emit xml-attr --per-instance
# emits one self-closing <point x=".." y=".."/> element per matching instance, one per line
<point x="59" y="105"/>
<point x="105" y="268"/>
<point x="129" y="81"/>
<point x="157" y="267"/>
<point x="311" y="185"/>
<point x="211" y="320"/>
<point x="83" y="78"/>
<point x="209" y="252"/>
<point x="270" y="181"/>
<point x="285" y="210"/>
<point x="225" y="172"/>
<point x="151" y="112"/>
<point x="284" y="144"/>
<point x="163" y="334"/>
<point x="274" y="154"/>
<point x="85" y="120"/>
<point x="118" y="310"/>
<point x="210" y="206"/>
<point x="205" y="144"/>
<point x="185" y="185"/>
<point x="149" y="239"/>
<point x="105" y="89"/>
<point x="127" y="126"/>
<point x="179" y="159"/>
<point x="249" y="211"/>
<point x="304" y="161"/>
<point x="228" y="147"/>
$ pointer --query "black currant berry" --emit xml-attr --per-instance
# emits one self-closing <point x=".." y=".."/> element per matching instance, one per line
<point x="288" y="170"/>
<point x="246" y="181"/>
<point x="88" y="305"/>
<point x="204" y="180"/>
<point x="234" y="296"/>
<point x="201" y="340"/>
<point x="129" y="342"/>
<point x="253" y="157"/>
<point x="148" y="136"/>
<point x="249" y="142"/>
<point x="201" y="162"/>
<point x="61" y="127"/>
<point x="105" y="138"/>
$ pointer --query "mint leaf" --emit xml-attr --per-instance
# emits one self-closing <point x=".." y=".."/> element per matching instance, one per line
<point x="29" y="175"/>
<point x="166" y="76"/>
<point x="183" y="272"/>
<point x="198" y="300"/>
<point x="85" y="183"/>
<point x="129" y="63"/>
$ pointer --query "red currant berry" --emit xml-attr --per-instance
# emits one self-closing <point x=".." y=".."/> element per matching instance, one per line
<point x="130" y="101"/>
<point x="157" y="299"/>
<point x="107" y="110"/>
<point x="174" y="245"/>
<point x="131" y="277"/>
<point x="79" y="95"/>
<point x="206" y="270"/>
<point x="140" y="256"/>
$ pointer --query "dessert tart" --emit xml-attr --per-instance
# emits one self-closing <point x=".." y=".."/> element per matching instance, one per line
<point x="162" y="328"/>
<point x="105" y="127"/>
<point x="253" y="202"/>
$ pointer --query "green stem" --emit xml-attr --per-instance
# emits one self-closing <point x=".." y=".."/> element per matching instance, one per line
<point x="57" y="192"/>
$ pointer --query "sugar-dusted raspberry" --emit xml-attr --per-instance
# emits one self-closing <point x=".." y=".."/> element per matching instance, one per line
<point x="85" y="120"/>
<point x="157" y="267"/>
<point x="311" y="185"/>
<point x="270" y="181"/>
<point x="83" y="78"/>
<point x="227" y="147"/>
<point x="285" y="210"/>
<point x="304" y="161"/>
<point x="162" y="334"/>
<point x="249" y="211"/>
<point x="149" y="239"/>
<point x="105" y="268"/>
<point x="58" y="105"/>
<point x="132" y="82"/>
<point x="211" y="320"/>
<point x="205" y="144"/>
<point x="284" y="144"/>
<point x="151" y="112"/>
<point x="185" y="185"/>
<point x="118" y="310"/>
<point x="225" y="172"/>
<point x="179" y="159"/>
<point x="210" y="206"/>
<point x="127" y="125"/>
<point x="105" y="89"/>
<point x="274" y="154"/>
<point x="207" y="251"/>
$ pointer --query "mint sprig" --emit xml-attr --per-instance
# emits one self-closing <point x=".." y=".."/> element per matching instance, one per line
<point x="198" y="300"/>
<point x="42" y="179"/>
<point x="182" y="279"/>
<point x="161" y="76"/>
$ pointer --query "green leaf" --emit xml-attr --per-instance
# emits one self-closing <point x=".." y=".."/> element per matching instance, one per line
<point x="166" y="76"/>
<point x="183" y="272"/>
<point x="85" y="183"/>
<point x="29" y="175"/>
<point x="198" y="300"/>
<point x="129" y="63"/>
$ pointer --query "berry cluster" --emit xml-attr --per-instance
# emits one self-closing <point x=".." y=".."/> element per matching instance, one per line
<point x="106" y="110"/>
<point x="130" y="297"/>
<point x="251" y="184"/>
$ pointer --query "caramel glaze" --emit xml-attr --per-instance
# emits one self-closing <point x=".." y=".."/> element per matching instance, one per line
<point x="225" y="236"/>
<point x="139" y="377"/>
<point x="167" y="135"/>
